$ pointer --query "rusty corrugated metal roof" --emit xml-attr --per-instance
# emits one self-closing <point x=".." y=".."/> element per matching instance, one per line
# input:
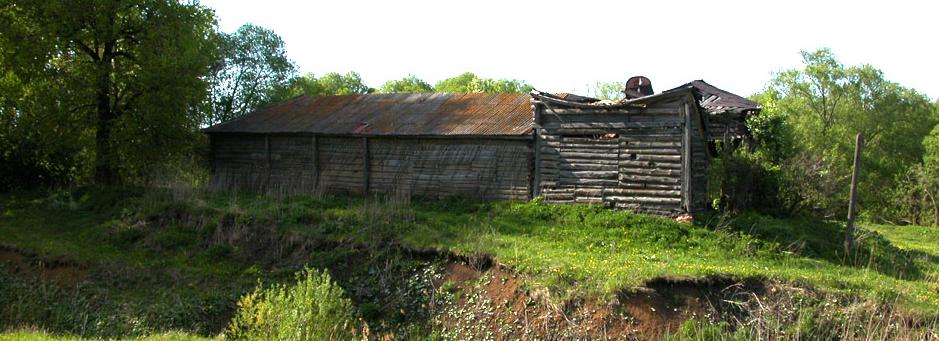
<point x="717" y="101"/>
<point x="391" y="114"/>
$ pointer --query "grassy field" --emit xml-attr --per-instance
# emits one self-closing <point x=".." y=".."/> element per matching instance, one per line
<point x="165" y="260"/>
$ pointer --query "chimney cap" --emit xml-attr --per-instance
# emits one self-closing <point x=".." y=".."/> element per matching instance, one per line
<point x="638" y="86"/>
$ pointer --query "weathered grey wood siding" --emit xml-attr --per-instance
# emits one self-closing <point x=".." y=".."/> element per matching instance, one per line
<point x="699" y="162"/>
<point x="630" y="159"/>
<point x="428" y="167"/>
<point x="238" y="161"/>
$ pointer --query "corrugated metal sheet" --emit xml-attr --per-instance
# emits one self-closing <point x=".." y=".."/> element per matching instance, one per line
<point x="391" y="114"/>
<point x="717" y="101"/>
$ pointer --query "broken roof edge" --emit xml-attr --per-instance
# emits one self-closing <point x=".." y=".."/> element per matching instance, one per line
<point x="729" y="102"/>
<point x="635" y="102"/>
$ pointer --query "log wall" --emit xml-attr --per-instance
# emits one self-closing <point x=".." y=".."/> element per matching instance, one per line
<point x="630" y="159"/>
<point x="426" y="167"/>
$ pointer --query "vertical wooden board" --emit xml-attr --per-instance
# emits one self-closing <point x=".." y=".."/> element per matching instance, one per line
<point x="686" y="158"/>
<point x="290" y="164"/>
<point x="341" y="164"/>
<point x="316" y="162"/>
<point x="365" y="166"/>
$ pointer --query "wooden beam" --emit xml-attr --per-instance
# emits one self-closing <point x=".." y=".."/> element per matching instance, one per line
<point x="852" y="204"/>
<point x="316" y="162"/>
<point x="686" y="158"/>
<point x="267" y="158"/>
<point x="536" y="149"/>
<point x="365" y="166"/>
<point x="211" y="156"/>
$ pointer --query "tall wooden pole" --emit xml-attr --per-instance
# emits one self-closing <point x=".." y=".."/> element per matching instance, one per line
<point x="852" y="206"/>
<point x="365" y="167"/>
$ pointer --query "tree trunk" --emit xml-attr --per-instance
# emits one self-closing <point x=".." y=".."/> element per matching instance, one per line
<point x="105" y="173"/>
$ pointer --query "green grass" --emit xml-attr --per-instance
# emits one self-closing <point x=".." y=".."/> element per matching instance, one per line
<point x="917" y="238"/>
<point x="43" y="336"/>
<point x="176" y="241"/>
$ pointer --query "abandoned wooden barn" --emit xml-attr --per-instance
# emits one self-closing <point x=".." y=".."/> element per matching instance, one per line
<point x="648" y="153"/>
<point x="431" y="145"/>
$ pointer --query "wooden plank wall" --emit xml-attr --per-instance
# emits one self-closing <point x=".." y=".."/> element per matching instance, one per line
<point x="623" y="159"/>
<point x="238" y="161"/>
<point x="699" y="163"/>
<point x="427" y="167"/>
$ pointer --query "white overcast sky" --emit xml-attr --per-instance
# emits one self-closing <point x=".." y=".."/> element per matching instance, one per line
<point x="564" y="46"/>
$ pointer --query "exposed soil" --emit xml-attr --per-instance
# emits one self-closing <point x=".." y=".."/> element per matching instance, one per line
<point x="494" y="304"/>
<point x="28" y="264"/>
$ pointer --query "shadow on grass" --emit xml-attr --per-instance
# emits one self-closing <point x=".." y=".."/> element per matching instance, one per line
<point x="824" y="240"/>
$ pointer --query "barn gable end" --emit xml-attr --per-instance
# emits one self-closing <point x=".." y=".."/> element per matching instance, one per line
<point x="646" y="155"/>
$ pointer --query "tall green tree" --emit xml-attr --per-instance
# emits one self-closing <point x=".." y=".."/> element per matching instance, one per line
<point x="329" y="84"/>
<point x="825" y="104"/>
<point x="409" y="84"/>
<point x="134" y="70"/>
<point x="929" y="175"/>
<point x="350" y="83"/>
<point x="253" y="65"/>
<point x="469" y="82"/>
<point x="607" y="90"/>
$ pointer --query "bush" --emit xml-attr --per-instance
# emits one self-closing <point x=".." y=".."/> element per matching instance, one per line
<point x="313" y="309"/>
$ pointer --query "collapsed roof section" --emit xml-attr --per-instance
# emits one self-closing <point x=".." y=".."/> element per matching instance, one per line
<point x="726" y="112"/>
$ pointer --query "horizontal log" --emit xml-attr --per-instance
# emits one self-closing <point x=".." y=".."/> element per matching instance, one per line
<point x="652" y="172"/>
<point x="587" y="167"/>
<point x="641" y="192"/>
<point x="610" y="125"/>
<point x="651" y="151"/>
<point x="646" y="185"/>
<point x="660" y="209"/>
<point x="588" y="192"/>
<point x="649" y="179"/>
<point x="644" y="200"/>
<point x="635" y="133"/>
<point x="665" y="158"/>
<point x="599" y="161"/>
<point x="581" y="144"/>
<point x="618" y="111"/>
<point x="604" y="151"/>
<point x="581" y="181"/>
<point x="592" y="201"/>
<point x="650" y="164"/>
<point x="674" y="140"/>
<point x="612" y="175"/>
<point x="576" y="155"/>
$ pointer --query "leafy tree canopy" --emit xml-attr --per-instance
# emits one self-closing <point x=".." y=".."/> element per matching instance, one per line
<point x="607" y="90"/>
<point x="825" y="104"/>
<point x="99" y="69"/>
<point x="409" y="84"/>
<point x="253" y="64"/>
<point x="329" y="84"/>
<point x="469" y="82"/>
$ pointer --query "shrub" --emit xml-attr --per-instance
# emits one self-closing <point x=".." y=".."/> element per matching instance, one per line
<point x="313" y="309"/>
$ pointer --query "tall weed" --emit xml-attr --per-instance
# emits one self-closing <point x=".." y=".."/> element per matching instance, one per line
<point x="314" y="308"/>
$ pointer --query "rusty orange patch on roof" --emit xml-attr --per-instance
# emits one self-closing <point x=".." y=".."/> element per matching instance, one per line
<point x="391" y="114"/>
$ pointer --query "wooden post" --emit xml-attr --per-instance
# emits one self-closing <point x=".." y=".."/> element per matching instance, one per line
<point x="852" y="205"/>
<point x="365" y="168"/>
<point x="211" y="157"/>
<point x="316" y="163"/>
<point x="686" y="157"/>
<point x="267" y="160"/>
<point x="536" y="149"/>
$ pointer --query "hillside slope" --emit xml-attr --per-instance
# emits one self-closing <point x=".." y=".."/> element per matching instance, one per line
<point x="126" y="262"/>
